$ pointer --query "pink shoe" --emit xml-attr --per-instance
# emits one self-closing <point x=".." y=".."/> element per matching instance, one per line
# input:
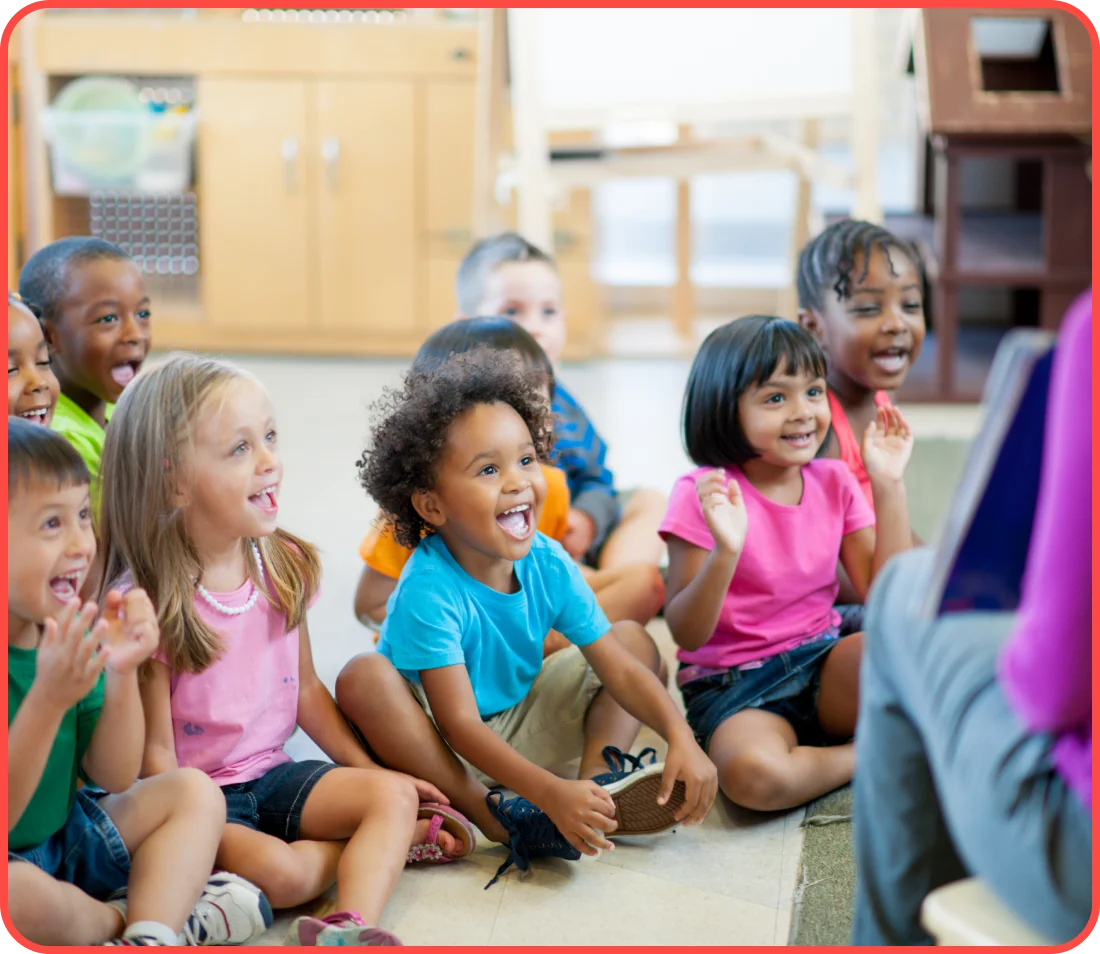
<point x="342" y="929"/>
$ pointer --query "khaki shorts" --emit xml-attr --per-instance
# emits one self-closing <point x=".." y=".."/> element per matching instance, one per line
<point x="547" y="727"/>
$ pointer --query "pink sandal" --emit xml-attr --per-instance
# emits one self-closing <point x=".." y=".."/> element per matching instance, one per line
<point x="442" y="817"/>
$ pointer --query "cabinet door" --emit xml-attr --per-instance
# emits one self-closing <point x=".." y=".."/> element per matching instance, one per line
<point x="253" y="204"/>
<point x="365" y="188"/>
<point x="448" y="138"/>
<point x="441" y="268"/>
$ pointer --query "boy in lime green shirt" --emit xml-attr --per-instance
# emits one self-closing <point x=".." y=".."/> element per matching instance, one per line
<point x="95" y="314"/>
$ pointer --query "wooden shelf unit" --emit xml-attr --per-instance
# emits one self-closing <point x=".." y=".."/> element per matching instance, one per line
<point x="334" y="175"/>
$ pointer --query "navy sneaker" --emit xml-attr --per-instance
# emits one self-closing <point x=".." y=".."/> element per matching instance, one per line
<point x="633" y="785"/>
<point x="531" y="834"/>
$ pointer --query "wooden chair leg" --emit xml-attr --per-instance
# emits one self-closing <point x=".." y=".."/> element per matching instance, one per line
<point x="683" y="292"/>
<point x="801" y="226"/>
<point x="489" y="118"/>
<point x="865" y="105"/>
<point x="531" y="140"/>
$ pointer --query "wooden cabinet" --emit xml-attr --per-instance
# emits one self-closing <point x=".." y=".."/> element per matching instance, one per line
<point x="254" y="217"/>
<point x="363" y="174"/>
<point x="335" y="213"/>
<point x="308" y="196"/>
<point x="334" y="177"/>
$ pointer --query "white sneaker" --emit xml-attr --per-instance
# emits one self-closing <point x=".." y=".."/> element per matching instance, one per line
<point x="230" y="910"/>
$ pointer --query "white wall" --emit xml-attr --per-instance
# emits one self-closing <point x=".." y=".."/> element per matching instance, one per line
<point x="603" y="57"/>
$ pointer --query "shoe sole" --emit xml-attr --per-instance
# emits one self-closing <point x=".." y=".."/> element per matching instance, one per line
<point x="636" y="808"/>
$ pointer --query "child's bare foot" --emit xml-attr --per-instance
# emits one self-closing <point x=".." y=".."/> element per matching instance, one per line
<point x="441" y="834"/>
<point x="451" y="846"/>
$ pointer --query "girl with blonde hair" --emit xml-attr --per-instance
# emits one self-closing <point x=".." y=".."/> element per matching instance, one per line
<point x="192" y="476"/>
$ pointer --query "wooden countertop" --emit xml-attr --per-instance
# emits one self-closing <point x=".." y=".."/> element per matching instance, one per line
<point x="162" y="45"/>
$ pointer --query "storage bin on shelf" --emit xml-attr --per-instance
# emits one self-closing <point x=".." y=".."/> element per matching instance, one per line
<point x="144" y="151"/>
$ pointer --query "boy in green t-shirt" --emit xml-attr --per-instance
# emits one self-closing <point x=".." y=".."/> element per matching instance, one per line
<point x="95" y="314"/>
<point x="74" y="708"/>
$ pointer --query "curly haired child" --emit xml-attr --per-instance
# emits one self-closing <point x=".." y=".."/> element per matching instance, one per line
<point x="508" y="276"/>
<point x="458" y="691"/>
<point x="632" y="591"/>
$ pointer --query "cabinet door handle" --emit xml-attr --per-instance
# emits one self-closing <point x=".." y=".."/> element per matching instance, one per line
<point x="330" y="154"/>
<point x="289" y="151"/>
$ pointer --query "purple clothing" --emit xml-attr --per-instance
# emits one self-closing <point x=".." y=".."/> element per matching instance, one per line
<point x="1046" y="666"/>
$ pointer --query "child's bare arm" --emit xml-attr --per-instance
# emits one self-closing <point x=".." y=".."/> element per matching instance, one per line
<point x="113" y="759"/>
<point x="697" y="584"/>
<point x="66" y="670"/>
<point x="640" y="693"/>
<point x="131" y="634"/>
<point x="321" y="719"/>
<point x="857" y="556"/>
<point x="160" y="742"/>
<point x="887" y="446"/>
<point x="697" y="580"/>
<point x="455" y="712"/>
<point x="892" y="532"/>
<point x="372" y="595"/>
<point x="318" y="715"/>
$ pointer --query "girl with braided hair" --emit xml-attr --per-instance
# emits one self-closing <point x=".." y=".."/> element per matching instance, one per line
<point x="861" y="293"/>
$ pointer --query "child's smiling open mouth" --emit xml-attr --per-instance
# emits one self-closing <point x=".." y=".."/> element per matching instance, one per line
<point x="517" y="521"/>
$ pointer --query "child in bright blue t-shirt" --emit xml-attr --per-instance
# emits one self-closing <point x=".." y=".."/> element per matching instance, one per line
<point x="440" y="616"/>
<point x="455" y="466"/>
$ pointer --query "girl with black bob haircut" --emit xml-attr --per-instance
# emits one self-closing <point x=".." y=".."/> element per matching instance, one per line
<point x="770" y="681"/>
<point x="739" y="354"/>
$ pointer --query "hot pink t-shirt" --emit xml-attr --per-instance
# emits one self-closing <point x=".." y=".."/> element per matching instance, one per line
<point x="785" y="584"/>
<point x="233" y="719"/>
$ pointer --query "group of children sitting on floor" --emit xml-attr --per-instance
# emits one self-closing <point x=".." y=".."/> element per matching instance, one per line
<point x="158" y="641"/>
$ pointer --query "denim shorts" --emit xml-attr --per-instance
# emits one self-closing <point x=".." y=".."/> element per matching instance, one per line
<point x="87" y="851"/>
<point x="273" y="802"/>
<point x="851" y="618"/>
<point x="785" y="684"/>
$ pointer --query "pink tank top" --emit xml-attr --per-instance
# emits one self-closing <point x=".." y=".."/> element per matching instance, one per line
<point x="848" y="443"/>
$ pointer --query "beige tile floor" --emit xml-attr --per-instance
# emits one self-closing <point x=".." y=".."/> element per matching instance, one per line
<point x="729" y="881"/>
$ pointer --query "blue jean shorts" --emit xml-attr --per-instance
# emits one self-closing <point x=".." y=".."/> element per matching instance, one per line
<point x="87" y="851"/>
<point x="273" y="802"/>
<point x="786" y="684"/>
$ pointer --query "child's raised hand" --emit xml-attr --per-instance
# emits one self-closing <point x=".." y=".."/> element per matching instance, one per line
<point x="583" y="812"/>
<point x="887" y="445"/>
<point x="131" y="629"/>
<point x="70" y="657"/>
<point x="724" y="510"/>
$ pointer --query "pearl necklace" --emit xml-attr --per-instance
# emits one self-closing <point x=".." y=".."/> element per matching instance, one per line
<point x="235" y="610"/>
